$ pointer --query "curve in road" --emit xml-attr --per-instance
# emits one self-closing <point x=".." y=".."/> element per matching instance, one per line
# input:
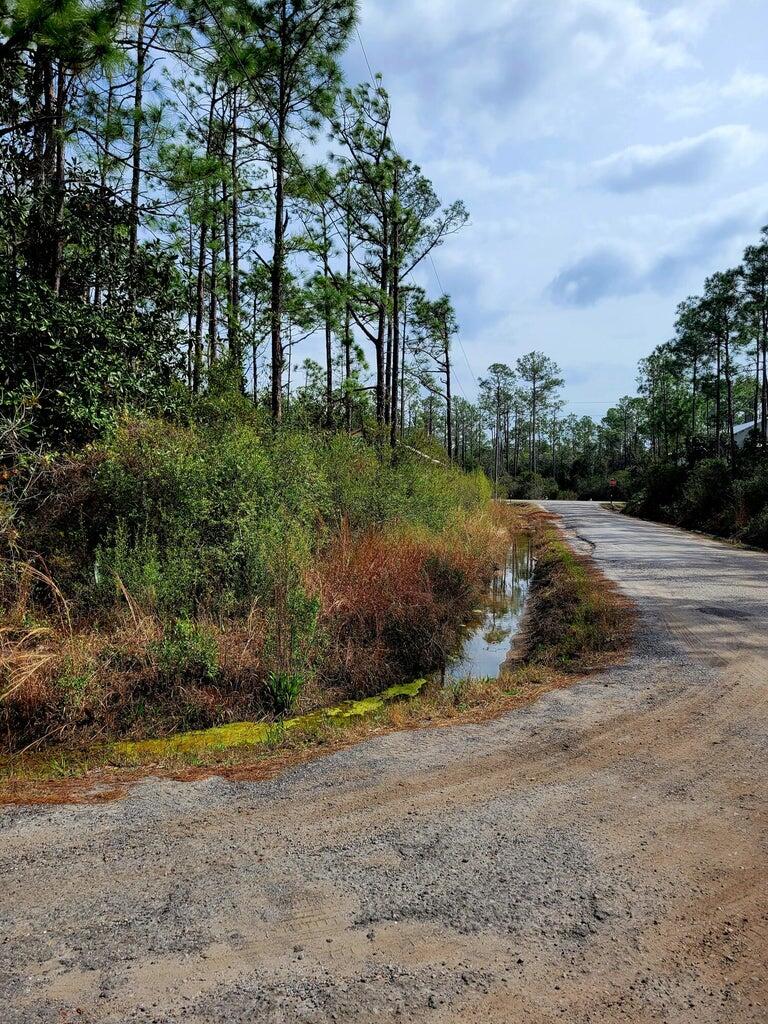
<point x="599" y="856"/>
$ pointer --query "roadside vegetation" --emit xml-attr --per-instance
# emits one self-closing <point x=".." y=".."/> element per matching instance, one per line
<point x="694" y="448"/>
<point x="176" y="576"/>
<point x="690" y="447"/>
<point x="577" y="624"/>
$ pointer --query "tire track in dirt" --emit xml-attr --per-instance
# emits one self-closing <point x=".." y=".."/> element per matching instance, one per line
<point x="598" y="856"/>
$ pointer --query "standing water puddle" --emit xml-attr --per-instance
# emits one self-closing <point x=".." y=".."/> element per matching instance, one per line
<point x="489" y="636"/>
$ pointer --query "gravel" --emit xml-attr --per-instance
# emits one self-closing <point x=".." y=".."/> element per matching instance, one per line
<point x="598" y="856"/>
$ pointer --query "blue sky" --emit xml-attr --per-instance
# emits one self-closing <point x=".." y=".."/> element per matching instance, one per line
<point x="612" y="153"/>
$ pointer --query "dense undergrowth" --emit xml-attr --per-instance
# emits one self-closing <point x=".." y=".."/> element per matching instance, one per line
<point x="180" y="575"/>
<point x="576" y="623"/>
<point x="711" y="496"/>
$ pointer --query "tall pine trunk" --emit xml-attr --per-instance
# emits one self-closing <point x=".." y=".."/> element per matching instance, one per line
<point x="403" y="342"/>
<point x="348" y="333"/>
<point x="138" y="114"/>
<point x="718" y="400"/>
<point x="729" y="398"/>
<point x="448" y="396"/>
<point x="395" y="315"/>
<point x="57" y="246"/>
<point x="235" y="334"/>
<point x="197" y="361"/>
<point x="278" y="257"/>
<point x="381" y="334"/>
<point x="328" y="328"/>
<point x="213" y="297"/>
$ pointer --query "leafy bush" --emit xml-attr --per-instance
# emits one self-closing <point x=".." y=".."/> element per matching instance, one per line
<point x="657" y="491"/>
<point x="209" y="518"/>
<point x="708" y="499"/>
<point x="533" y="486"/>
<point x="85" y="362"/>
<point x="751" y="495"/>
<point x="187" y="652"/>
<point x="708" y="496"/>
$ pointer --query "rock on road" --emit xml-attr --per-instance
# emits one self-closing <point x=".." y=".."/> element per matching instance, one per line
<point x="598" y="856"/>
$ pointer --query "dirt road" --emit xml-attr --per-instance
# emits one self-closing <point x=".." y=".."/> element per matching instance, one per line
<point x="600" y="856"/>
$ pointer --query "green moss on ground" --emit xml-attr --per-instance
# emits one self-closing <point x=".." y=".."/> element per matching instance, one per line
<point x="251" y="734"/>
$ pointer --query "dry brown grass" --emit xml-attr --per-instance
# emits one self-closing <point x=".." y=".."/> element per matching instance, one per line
<point x="554" y="656"/>
<point x="392" y="603"/>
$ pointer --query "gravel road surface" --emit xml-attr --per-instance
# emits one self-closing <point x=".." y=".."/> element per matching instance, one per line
<point x="599" y="856"/>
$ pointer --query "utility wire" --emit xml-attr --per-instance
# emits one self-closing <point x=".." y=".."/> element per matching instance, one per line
<point x="458" y="337"/>
<point x="365" y="55"/>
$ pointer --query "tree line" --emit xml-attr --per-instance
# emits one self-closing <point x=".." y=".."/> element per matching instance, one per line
<point x="701" y="407"/>
<point x="190" y="193"/>
<point x="169" y="213"/>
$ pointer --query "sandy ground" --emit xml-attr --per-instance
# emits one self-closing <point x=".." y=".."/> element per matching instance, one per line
<point x="599" y="856"/>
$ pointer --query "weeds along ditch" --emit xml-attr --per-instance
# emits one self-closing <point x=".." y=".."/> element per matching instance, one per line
<point x="180" y="577"/>
<point x="575" y="623"/>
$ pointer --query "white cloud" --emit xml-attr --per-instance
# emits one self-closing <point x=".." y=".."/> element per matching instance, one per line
<point x="746" y="86"/>
<point x="510" y="103"/>
<point x="467" y="173"/>
<point x="663" y="260"/>
<point x="500" y="70"/>
<point x="743" y="87"/>
<point x="681" y="163"/>
<point x="690" y="19"/>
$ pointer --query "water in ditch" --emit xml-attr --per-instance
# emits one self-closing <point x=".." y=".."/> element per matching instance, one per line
<point x="491" y="633"/>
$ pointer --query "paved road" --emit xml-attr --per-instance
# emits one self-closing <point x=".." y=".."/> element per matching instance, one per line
<point x="600" y="856"/>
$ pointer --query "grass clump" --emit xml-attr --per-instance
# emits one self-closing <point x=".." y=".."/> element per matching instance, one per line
<point x="187" y="651"/>
<point x="283" y="689"/>
<point x="575" y="617"/>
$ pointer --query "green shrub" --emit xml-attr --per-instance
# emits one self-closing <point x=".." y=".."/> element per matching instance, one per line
<point x="657" y="491"/>
<point x="708" y="497"/>
<point x="208" y="518"/>
<point x="752" y="495"/>
<point x="533" y="486"/>
<point x="187" y="652"/>
<point x="752" y="502"/>
<point x="756" y="531"/>
<point x="76" y="678"/>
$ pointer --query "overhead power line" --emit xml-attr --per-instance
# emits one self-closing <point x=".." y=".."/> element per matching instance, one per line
<point x="458" y="336"/>
<point x="365" y="55"/>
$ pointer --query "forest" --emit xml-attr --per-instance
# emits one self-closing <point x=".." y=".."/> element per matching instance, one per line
<point x="690" y="448"/>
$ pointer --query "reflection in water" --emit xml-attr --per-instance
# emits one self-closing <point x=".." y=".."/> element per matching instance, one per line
<point x="489" y="636"/>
